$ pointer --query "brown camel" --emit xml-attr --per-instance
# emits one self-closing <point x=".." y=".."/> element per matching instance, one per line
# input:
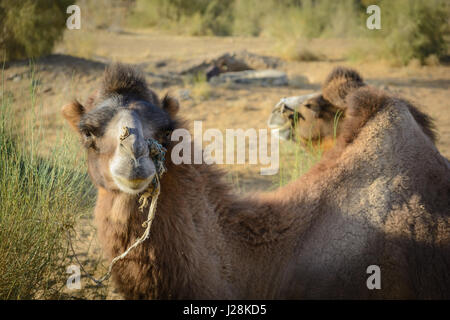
<point x="380" y="197"/>
<point x="307" y="119"/>
<point x="318" y="121"/>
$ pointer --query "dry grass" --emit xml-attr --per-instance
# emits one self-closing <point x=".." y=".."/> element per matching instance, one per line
<point x="199" y="87"/>
<point x="37" y="203"/>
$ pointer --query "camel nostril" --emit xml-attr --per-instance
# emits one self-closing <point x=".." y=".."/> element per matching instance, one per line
<point x="124" y="133"/>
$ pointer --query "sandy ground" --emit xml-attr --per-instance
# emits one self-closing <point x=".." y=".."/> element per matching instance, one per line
<point x="62" y="77"/>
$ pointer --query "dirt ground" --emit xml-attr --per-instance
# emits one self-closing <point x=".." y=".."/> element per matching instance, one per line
<point x="62" y="77"/>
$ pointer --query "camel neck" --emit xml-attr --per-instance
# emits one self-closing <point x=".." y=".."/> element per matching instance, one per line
<point x="185" y="229"/>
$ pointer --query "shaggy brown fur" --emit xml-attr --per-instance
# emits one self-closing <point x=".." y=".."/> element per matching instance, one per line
<point x="339" y="83"/>
<point x="342" y="81"/>
<point x="317" y="121"/>
<point x="125" y="79"/>
<point x="383" y="199"/>
<point x="316" y="117"/>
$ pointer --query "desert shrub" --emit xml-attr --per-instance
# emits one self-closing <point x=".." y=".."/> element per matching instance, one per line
<point x="413" y="29"/>
<point x="217" y="18"/>
<point x="147" y="13"/>
<point x="30" y="27"/>
<point x="196" y="17"/>
<point x="326" y="17"/>
<point x="103" y="14"/>
<point x="40" y="199"/>
<point x="410" y="29"/>
<point x="108" y="15"/>
<point x="199" y="86"/>
<point x="250" y="17"/>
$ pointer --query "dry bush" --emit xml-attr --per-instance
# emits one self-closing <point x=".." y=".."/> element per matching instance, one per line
<point x="41" y="198"/>
<point x="30" y="28"/>
<point x="413" y="30"/>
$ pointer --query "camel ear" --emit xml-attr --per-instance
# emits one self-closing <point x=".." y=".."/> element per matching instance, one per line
<point x="340" y="83"/>
<point x="170" y="105"/>
<point x="72" y="112"/>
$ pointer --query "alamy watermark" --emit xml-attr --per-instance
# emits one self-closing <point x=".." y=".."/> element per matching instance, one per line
<point x="74" y="20"/>
<point x="211" y="147"/>
<point x="74" y="280"/>
<point x="374" y="20"/>
<point x="374" y="280"/>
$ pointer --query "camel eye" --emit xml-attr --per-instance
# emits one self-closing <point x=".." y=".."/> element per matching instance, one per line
<point x="88" y="139"/>
<point x="88" y="136"/>
<point x="308" y="105"/>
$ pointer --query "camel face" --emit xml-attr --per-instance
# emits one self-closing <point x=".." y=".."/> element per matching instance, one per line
<point x="315" y="119"/>
<point x="115" y="128"/>
<point x="310" y="118"/>
<point x="130" y="166"/>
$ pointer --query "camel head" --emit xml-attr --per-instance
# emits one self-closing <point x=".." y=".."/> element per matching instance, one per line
<point x="115" y="125"/>
<point x="305" y="118"/>
<point x="315" y="119"/>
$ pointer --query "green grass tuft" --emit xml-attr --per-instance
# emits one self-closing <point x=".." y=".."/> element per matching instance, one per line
<point x="40" y="199"/>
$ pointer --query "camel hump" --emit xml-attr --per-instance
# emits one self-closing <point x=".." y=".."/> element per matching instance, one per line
<point x="425" y="121"/>
<point x="122" y="79"/>
<point x="339" y="83"/>
<point x="345" y="89"/>
<point x="365" y="102"/>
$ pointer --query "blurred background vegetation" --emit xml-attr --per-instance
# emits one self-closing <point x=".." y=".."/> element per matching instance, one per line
<point x="411" y="29"/>
<point x="30" y="27"/>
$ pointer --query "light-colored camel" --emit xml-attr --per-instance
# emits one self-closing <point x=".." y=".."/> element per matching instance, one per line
<point x="380" y="197"/>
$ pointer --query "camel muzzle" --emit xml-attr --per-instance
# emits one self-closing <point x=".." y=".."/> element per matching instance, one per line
<point x="284" y="113"/>
<point x="131" y="166"/>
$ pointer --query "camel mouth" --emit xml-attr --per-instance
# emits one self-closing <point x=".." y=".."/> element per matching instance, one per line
<point x="283" y="114"/>
<point x="132" y="186"/>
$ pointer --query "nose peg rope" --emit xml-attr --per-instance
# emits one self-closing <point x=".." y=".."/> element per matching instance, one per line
<point x="157" y="154"/>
